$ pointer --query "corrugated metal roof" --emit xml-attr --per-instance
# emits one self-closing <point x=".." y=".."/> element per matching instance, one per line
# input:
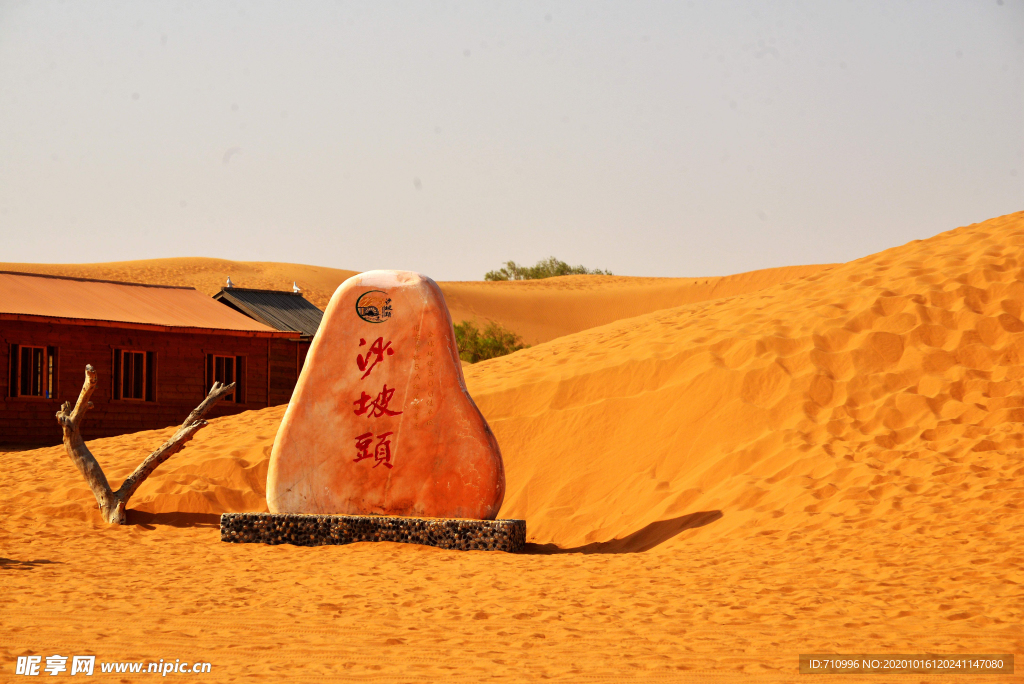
<point x="278" y="309"/>
<point x="81" y="299"/>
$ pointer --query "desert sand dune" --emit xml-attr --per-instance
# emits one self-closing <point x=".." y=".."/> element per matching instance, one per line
<point x="206" y="275"/>
<point x="541" y="310"/>
<point x="538" y="311"/>
<point x="832" y="463"/>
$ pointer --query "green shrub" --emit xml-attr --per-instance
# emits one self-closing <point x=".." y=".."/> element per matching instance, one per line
<point x="493" y="342"/>
<point x="545" y="268"/>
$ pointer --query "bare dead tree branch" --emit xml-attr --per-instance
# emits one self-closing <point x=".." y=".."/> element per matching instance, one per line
<point x="193" y="424"/>
<point x="71" y="422"/>
<point x="112" y="504"/>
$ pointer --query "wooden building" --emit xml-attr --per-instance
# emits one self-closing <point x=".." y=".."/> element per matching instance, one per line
<point x="156" y="350"/>
<point x="277" y="309"/>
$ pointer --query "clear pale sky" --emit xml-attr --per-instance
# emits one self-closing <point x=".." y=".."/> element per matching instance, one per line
<point x="649" y="138"/>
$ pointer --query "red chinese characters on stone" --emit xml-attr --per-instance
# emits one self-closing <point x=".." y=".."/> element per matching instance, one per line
<point x="374" y="356"/>
<point x="379" y="405"/>
<point x="381" y="453"/>
<point x="372" y="407"/>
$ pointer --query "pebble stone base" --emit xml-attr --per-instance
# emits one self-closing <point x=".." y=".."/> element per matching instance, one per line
<point x="322" y="530"/>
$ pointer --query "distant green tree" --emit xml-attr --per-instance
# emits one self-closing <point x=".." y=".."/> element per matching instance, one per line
<point x="545" y="268"/>
<point x="493" y="342"/>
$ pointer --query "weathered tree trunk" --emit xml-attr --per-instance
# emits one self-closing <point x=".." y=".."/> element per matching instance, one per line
<point x="112" y="504"/>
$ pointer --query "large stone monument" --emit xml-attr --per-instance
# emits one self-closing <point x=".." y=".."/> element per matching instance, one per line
<point x="381" y="438"/>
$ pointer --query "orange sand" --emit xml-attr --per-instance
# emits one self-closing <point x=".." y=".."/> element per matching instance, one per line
<point x="206" y="275"/>
<point x="539" y="310"/>
<point x="829" y="464"/>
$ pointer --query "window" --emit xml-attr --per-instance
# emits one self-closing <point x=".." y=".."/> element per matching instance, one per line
<point x="134" y="375"/>
<point x="227" y="369"/>
<point x="33" y="372"/>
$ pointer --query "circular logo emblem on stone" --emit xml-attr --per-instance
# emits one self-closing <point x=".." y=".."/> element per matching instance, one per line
<point x="374" y="306"/>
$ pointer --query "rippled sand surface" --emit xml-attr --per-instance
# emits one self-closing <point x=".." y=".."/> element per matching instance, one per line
<point x="831" y="463"/>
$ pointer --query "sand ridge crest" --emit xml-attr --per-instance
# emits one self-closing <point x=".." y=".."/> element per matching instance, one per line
<point x="537" y="310"/>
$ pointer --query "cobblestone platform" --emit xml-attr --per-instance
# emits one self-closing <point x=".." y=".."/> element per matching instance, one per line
<point x="322" y="530"/>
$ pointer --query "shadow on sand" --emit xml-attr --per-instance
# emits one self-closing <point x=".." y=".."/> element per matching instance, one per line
<point x="641" y="540"/>
<point x="174" y="519"/>
<point x="11" y="564"/>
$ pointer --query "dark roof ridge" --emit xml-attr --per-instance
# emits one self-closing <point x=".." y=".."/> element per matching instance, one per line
<point x="269" y="307"/>
<point x="96" y="280"/>
<point x="256" y="289"/>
